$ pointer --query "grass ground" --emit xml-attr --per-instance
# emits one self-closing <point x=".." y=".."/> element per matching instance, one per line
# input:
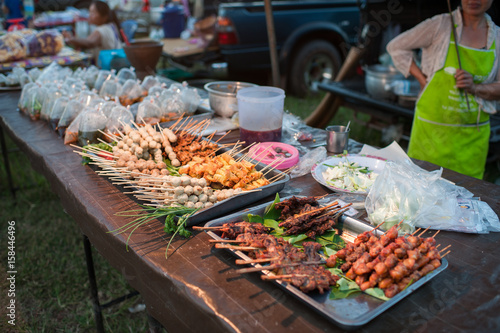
<point x="52" y="289"/>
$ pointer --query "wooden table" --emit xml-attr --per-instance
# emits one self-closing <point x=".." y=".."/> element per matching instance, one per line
<point x="197" y="289"/>
<point x="178" y="47"/>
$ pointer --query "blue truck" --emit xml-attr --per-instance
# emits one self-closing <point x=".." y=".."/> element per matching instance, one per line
<point x="312" y="39"/>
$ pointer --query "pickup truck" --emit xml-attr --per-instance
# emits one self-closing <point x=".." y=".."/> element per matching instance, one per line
<point x="312" y="37"/>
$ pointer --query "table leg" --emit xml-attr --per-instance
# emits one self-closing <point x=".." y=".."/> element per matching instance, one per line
<point x="97" y="307"/>
<point x="5" y="155"/>
<point x="93" y="285"/>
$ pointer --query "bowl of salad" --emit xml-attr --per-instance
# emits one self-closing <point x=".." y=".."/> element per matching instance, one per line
<point x="348" y="173"/>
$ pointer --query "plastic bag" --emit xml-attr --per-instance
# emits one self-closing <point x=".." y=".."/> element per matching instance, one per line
<point x="148" y="112"/>
<point x="131" y="92"/>
<point x="46" y="42"/>
<point x="307" y="161"/>
<point x="72" y="110"/>
<point x="404" y="191"/>
<point x="57" y="111"/>
<point x="117" y="119"/>
<point x="91" y="127"/>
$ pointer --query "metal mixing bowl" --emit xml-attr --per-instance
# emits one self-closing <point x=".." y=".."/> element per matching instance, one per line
<point x="377" y="77"/>
<point x="222" y="96"/>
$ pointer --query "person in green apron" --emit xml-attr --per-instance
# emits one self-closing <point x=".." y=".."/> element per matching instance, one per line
<point x="451" y="123"/>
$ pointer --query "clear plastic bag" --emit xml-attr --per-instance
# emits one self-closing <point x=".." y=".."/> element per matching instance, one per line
<point x="57" y="111"/>
<point x="91" y="127"/>
<point x="125" y="74"/>
<point x="111" y="89"/>
<point x="72" y="110"/>
<point x="405" y="192"/>
<point x="117" y="119"/>
<point x="148" y="112"/>
<point x="131" y="92"/>
<point x="307" y="161"/>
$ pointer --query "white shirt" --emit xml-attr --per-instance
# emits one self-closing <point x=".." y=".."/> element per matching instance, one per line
<point x="109" y="39"/>
<point x="433" y="37"/>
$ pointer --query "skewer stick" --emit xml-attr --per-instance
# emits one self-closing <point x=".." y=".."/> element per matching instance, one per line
<point x="317" y="210"/>
<point x="444" y="255"/>
<point x="416" y="231"/>
<point x="378" y="226"/>
<point x="175" y="124"/>
<point x="438" y="246"/>
<point x="423" y="232"/>
<point x="235" y="247"/>
<point x="433" y="236"/>
<point x="227" y="241"/>
<point x="223" y="136"/>
<point x="281" y="277"/>
<point x="445" y="248"/>
<point x="255" y="261"/>
<point x="275" y="266"/>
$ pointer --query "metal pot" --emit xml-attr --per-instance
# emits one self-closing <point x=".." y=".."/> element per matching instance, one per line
<point x="222" y="96"/>
<point x="377" y="77"/>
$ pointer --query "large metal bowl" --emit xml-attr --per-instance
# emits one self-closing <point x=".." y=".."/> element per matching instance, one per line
<point x="378" y="78"/>
<point x="222" y="96"/>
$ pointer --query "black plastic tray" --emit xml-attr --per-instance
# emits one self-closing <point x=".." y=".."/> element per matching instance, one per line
<point x="351" y="312"/>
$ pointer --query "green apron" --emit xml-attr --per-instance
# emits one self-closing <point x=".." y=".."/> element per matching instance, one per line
<point x="444" y="132"/>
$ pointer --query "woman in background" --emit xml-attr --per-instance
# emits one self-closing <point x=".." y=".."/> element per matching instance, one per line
<point x="445" y="132"/>
<point x="106" y="35"/>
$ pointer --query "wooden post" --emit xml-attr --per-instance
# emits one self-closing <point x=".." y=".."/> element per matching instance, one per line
<point x="272" y="43"/>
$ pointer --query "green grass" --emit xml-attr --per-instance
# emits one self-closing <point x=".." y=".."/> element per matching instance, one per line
<point x="52" y="290"/>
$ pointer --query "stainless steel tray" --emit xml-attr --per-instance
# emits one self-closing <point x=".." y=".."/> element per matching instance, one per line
<point x="243" y="199"/>
<point x="351" y="312"/>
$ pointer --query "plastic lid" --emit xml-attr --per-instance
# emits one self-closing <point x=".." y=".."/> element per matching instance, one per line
<point x="279" y="155"/>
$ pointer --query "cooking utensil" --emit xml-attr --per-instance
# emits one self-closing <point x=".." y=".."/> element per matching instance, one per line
<point x="222" y="96"/>
<point x="377" y="77"/>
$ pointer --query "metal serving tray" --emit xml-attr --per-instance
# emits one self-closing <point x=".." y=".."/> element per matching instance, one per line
<point x="351" y="312"/>
<point x="243" y="199"/>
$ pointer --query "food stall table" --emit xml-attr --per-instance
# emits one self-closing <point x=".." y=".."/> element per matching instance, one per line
<point x="66" y="57"/>
<point x="197" y="288"/>
<point x="353" y="94"/>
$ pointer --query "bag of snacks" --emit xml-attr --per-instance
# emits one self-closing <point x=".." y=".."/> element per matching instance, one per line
<point x="131" y="92"/>
<point x="57" y="111"/>
<point x="73" y="108"/>
<point x="46" y="42"/>
<point x="111" y="88"/>
<point x="13" y="46"/>
<point x="149" y="82"/>
<point x="117" y="119"/>
<point x="125" y="74"/>
<point x="23" y="100"/>
<point x="148" y="112"/>
<point x="54" y="93"/>
<point x="103" y="76"/>
<point x="91" y="127"/>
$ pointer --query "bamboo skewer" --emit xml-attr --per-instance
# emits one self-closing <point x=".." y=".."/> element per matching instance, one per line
<point x="255" y="261"/>
<point x="275" y="266"/>
<point x="423" y="232"/>
<point x="234" y="247"/>
<point x="445" y="248"/>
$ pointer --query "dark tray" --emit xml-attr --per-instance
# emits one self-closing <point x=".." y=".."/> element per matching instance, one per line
<point x="243" y="199"/>
<point x="351" y="312"/>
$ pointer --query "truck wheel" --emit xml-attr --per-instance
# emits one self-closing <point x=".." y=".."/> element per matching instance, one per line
<point x="317" y="61"/>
